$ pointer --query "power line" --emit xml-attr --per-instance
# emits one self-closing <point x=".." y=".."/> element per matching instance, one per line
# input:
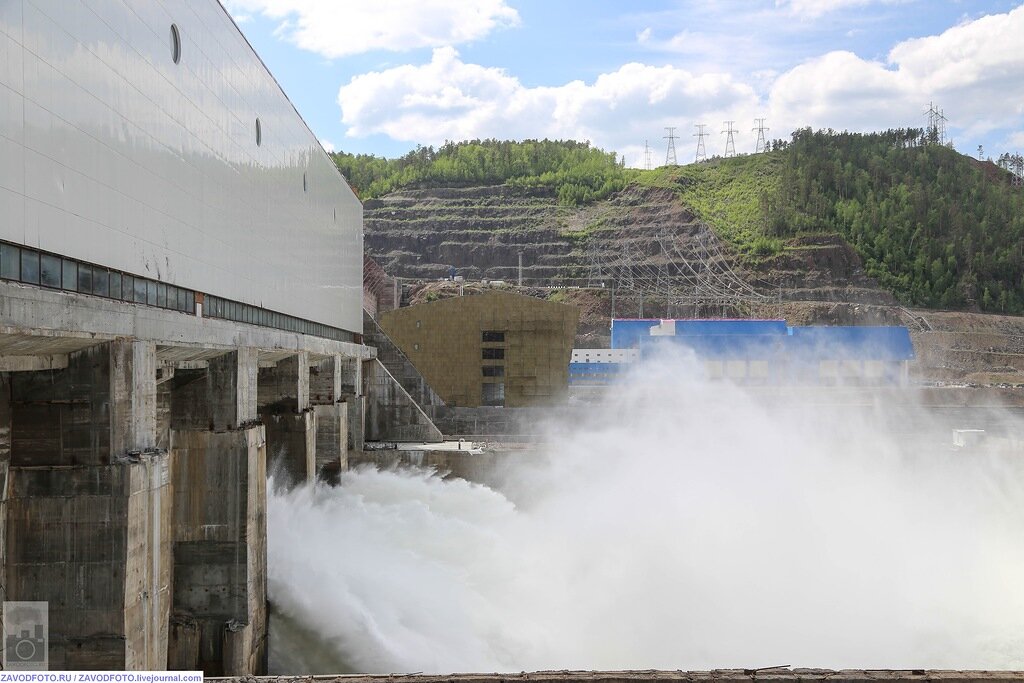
<point x="760" y="145"/>
<point x="730" y="141"/>
<point x="670" y="155"/>
<point x="702" y="153"/>
<point x="647" y="156"/>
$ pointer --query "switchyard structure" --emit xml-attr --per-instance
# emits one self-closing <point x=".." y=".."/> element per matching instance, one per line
<point x="180" y="313"/>
<point x="690" y="272"/>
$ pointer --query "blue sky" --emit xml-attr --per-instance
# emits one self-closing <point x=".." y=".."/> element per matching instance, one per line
<point x="382" y="76"/>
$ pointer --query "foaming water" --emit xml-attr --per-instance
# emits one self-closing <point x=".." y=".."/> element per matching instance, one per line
<point x="680" y="525"/>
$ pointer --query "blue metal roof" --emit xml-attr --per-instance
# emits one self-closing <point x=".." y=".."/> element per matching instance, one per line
<point x="769" y="339"/>
<point x="628" y="334"/>
<point x="852" y="343"/>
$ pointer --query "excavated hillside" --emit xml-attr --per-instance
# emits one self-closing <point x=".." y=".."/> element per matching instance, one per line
<point x="482" y="231"/>
<point x="420" y="234"/>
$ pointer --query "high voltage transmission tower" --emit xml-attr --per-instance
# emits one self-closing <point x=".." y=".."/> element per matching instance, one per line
<point x="670" y="154"/>
<point x="730" y="141"/>
<point x="760" y="145"/>
<point x="936" y="132"/>
<point x="702" y="153"/>
<point x="647" y="156"/>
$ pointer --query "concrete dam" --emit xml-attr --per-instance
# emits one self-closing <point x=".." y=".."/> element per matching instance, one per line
<point x="180" y="310"/>
<point x="182" y="358"/>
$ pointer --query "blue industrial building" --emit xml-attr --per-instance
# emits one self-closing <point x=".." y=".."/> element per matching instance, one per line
<point x="756" y="352"/>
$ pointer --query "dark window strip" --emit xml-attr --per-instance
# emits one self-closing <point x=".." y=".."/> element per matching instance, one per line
<point x="53" y="271"/>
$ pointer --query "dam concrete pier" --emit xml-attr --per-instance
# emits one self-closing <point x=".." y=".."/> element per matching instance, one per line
<point x="135" y="464"/>
<point x="180" y="318"/>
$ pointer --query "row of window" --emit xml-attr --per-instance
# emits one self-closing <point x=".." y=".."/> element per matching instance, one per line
<point x="49" y="270"/>
<point x="244" y="313"/>
<point x="34" y="267"/>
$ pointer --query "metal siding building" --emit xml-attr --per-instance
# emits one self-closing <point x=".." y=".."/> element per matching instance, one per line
<point x="627" y="334"/>
<point x="148" y="138"/>
<point x="761" y="351"/>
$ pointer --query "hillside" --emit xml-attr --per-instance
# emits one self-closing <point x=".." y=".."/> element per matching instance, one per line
<point x="826" y="216"/>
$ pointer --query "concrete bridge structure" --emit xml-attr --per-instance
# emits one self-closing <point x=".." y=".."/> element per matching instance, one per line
<point x="180" y="314"/>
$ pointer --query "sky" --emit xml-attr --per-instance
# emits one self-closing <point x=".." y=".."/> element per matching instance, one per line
<point x="383" y="76"/>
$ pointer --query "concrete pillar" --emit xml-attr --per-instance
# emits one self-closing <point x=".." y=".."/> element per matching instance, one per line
<point x="88" y="527"/>
<point x="5" y="462"/>
<point x="94" y="542"/>
<point x="219" y="523"/>
<point x="220" y="554"/>
<point x="221" y="397"/>
<point x="285" y="386"/>
<point x="331" y="439"/>
<point x="283" y="393"/>
<point x="331" y="410"/>
<point x="325" y="380"/>
<point x="132" y="396"/>
<point x="351" y="390"/>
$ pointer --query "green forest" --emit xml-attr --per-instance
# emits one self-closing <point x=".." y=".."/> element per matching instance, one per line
<point x="576" y="172"/>
<point x="935" y="227"/>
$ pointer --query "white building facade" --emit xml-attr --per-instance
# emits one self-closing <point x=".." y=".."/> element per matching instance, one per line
<point x="147" y="140"/>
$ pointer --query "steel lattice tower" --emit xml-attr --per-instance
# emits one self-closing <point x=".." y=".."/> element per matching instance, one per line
<point x="702" y="153"/>
<point x="760" y="145"/>
<point x="670" y="154"/>
<point x="730" y="141"/>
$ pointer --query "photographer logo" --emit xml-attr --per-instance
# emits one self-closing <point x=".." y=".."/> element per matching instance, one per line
<point x="26" y="636"/>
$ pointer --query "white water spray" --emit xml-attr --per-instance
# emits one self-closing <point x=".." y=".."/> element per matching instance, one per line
<point x="683" y="525"/>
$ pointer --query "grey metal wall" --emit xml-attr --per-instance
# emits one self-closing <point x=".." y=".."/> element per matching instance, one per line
<point x="112" y="153"/>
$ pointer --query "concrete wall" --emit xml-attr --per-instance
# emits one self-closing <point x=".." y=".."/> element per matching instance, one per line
<point x="219" y="550"/>
<point x="331" y="436"/>
<point x="113" y="153"/>
<point x="444" y="340"/>
<point x="391" y="414"/>
<point x="94" y="542"/>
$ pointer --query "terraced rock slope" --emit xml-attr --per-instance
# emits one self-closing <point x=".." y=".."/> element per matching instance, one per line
<point x="482" y="231"/>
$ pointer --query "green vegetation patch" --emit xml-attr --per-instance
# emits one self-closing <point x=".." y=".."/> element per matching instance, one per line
<point x="575" y="172"/>
<point x="731" y="195"/>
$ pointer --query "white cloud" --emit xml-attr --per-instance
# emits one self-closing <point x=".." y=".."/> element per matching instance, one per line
<point x="335" y="29"/>
<point x="450" y="99"/>
<point x="972" y="71"/>
<point x="812" y="9"/>
<point x="328" y="146"/>
<point x="644" y="36"/>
